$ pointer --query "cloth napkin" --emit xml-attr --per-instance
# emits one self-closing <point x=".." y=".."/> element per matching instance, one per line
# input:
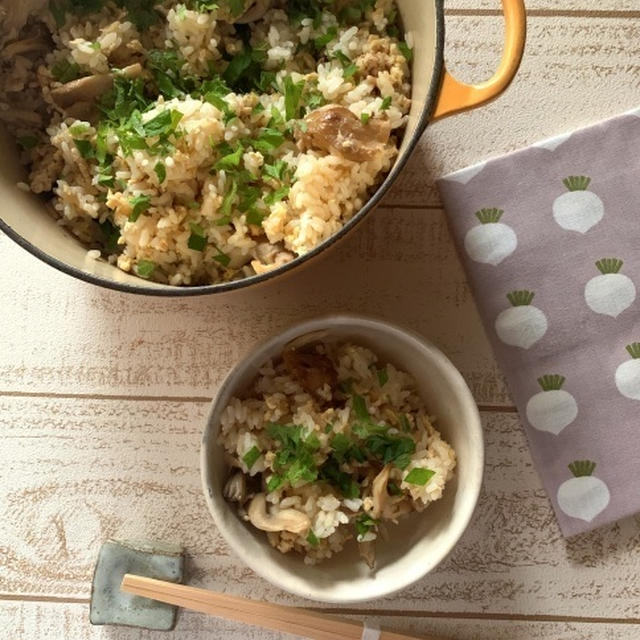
<point x="550" y="240"/>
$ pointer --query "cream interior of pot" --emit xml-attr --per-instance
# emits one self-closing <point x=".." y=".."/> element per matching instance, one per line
<point x="27" y="216"/>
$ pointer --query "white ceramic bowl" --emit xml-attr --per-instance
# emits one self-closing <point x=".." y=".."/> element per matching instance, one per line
<point x="420" y="541"/>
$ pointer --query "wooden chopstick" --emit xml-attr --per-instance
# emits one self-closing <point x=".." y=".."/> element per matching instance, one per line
<point x="301" y="622"/>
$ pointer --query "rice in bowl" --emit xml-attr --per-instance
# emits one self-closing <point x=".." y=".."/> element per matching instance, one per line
<point x="327" y="445"/>
<point x="198" y="142"/>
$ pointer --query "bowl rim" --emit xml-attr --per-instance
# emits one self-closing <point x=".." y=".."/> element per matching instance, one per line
<point x="426" y="348"/>
<point x="169" y="291"/>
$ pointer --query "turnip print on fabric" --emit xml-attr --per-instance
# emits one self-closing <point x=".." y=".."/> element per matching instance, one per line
<point x="557" y="227"/>
<point x="628" y="373"/>
<point x="522" y="325"/>
<point x="579" y="209"/>
<point x="491" y="241"/>
<point x="612" y="292"/>
<point x="552" y="409"/>
<point x="584" y="496"/>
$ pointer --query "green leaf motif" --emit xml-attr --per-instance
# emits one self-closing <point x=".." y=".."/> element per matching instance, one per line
<point x="577" y="183"/>
<point x="609" y="265"/>
<point x="520" y="298"/>
<point x="551" y="382"/>
<point x="582" y="468"/>
<point x="487" y="216"/>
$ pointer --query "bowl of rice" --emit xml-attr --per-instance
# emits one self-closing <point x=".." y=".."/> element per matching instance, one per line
<point x="181" y="147"/>
<point x="343" y="458"/>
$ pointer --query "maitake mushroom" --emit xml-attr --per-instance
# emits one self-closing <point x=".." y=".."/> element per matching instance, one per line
<point x="283" y="520"/>
<point x="336" y="129"/>
<point x="78" y="97"/>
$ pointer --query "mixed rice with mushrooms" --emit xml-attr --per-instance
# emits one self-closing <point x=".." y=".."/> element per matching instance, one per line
<point x="329" y="444"/>
<point x="202" y="141"/>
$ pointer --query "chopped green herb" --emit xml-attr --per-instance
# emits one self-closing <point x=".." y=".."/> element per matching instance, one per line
<point x="364" y="524"/>
<point x="406" y="50"/>
<point x="391" y="449"/>
<point x="277" y="170"/>
<point x="330" y="472"/>
<point x="65" y="71"/>
<point x="227" y="201"/>
<point x="322" y="41"/>
<point x="163" y="124"/>
<point x="198" y="238"/>
<point x="386" y="103"/>
<point x="231" y="160"/>
<point x="85" y="148"/>
<point x="394" y="489"/>
<point x="145" y="268"/>
<point x="350" y="71"/>
<point x="255" y="216"/>
<point x="95" y="46"/>
<point x="365" y="117"/>
<point x="383" y="376"/>
<point x="294" y="460"/>
<point x="106" y="180"/>
<point x="268" y="140"/>
<point x="328" y="428"/>
<point x="140" y="204"/>
<point x="274" y="482"/>
<point x="419" y="476"/>
<point x="28" y="142"/>
<point x="277" y="195"/>
<point x="111" y="234"/>
<point x="404" y="423"/>
<point x="259" y="108"/>
<point x="161" y="171"/>
<point x="251" y="456"/>
<point x="79" y="129"/>
<point x="292" y="95"/>
<point x="223" y="259"/>
<point x="312" y="539"/>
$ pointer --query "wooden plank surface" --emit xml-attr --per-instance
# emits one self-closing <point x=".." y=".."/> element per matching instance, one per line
<point x="575" y="71"/>
<point x="400" y="265"/>
<point x="552" y="8"/>
<point x="54" y="621"/>
<point x="78" y="472"/>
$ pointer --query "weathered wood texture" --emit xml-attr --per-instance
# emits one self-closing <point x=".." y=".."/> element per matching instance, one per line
<point x="575" y="71"/>
<point x="55" y="621"/>
<point x="400" y="265"/>
<point x="76" y="473"/>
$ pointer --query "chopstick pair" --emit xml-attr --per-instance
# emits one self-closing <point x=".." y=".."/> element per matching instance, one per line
<point x="308" y="624"/>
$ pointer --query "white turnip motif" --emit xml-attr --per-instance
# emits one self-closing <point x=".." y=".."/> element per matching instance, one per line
<point x="584" y="496"/>
<point x="491" y="241"/>
<point x="579" y="209"/>
<point x="612" y="292"/>
<point x="628" y="373"/>
<point x="522" y="325"/>
<point x="552" y="409"/>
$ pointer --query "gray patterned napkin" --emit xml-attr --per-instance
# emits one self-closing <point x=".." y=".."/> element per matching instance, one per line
<point x="550" y="239"/>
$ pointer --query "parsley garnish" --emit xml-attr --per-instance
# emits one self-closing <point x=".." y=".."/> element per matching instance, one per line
<point x="85" y="148"/>
<point x="230" y="161"/>
<point x="419" y="476"/>
<point x="145" y="268"/>
<point x="365" y="117"/>
<point x="198" y="239"/>
<point x="251" y="456"/>
<point x="161" y="172"/>
<point x="292" y="94"/>
<point x="364" y="524"/>
<point x="383" y="376"/>
<point x="312" y="539"/>
<point x="386" y="103"/>
<point x="140" y="204"/>
<point x="406" y="50"/>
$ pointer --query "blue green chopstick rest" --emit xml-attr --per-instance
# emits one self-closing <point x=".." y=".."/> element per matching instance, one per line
<point x="109" y="605"/>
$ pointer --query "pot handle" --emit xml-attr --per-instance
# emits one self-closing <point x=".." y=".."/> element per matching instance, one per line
<point x="456" y="96"/>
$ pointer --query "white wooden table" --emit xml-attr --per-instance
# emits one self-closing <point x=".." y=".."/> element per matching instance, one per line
<point x="103" y="395"/>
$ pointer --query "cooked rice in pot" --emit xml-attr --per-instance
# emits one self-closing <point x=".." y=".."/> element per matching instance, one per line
<point x="198" y="142"/>
<point x="329" y="444"/>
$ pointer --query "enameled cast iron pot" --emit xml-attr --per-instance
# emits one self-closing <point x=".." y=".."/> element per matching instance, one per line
<point x="435" y="94"/>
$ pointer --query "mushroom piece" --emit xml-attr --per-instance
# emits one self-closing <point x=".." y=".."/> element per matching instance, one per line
<point x="284" y="520"/>
<point x="90" y="88"/>
<point x="379" y="493"/>
<point x="254" y="12"/>
<point x="337" y="129"/>
<point x="235" y="490"/>
<point x="20" y="47"/>
<point x="311" y="370"/>
<point x="367" y="551"/>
